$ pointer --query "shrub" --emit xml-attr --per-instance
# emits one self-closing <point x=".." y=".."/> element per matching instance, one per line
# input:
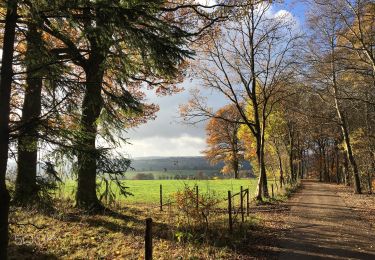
<point x="186" y="201"/>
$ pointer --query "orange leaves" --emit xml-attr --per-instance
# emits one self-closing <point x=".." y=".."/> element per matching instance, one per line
<point x="223" y="144"/>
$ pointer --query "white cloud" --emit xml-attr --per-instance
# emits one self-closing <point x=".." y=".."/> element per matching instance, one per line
<point x="283" y="14"/>
<point x="184" y="145"/>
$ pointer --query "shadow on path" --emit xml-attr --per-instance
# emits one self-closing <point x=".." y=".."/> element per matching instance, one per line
<point x="323" y="227"/>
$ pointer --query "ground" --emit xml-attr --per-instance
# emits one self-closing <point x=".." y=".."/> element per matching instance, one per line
<point x="320" y="221"/>
<point x="66" y="233"/>
<point x="326" y="223"/>
<point x="69" y="235"/>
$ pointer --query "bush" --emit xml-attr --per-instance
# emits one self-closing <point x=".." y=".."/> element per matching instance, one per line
<point x="186" y="201"/>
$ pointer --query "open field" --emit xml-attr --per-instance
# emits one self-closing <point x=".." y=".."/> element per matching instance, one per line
<point x="173" y="173"/>
<point x="147" y="191"/>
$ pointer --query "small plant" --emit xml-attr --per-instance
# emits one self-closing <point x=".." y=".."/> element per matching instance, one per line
<point x="196" y="208"/>
<point x="183" y="236"/>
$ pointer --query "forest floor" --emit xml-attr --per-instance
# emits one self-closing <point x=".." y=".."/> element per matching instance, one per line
<point x="330" y="222"/>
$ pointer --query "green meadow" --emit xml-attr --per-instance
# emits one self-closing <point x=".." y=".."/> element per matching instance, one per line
<point x="147" y="191"/>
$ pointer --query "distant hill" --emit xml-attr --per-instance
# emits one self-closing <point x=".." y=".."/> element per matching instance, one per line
<point x="176" y="163"/>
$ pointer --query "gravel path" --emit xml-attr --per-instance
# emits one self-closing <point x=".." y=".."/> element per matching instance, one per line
<point x="323" y="227"/>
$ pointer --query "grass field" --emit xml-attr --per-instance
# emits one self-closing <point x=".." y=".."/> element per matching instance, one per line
<point x="172" y="173"/>
<point x="147" y="191"/>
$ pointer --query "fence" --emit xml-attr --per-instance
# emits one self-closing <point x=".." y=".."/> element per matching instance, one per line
<point x="231" y="208"/>
<point x="244" y="198"/>
<point x="233" y="212"/>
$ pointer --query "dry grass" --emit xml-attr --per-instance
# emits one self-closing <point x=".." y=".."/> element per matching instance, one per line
<point x="67" y="233"/>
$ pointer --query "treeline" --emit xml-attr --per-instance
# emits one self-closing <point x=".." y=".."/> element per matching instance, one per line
<point x="175" y="176"/>
<point x="177" y="163"/>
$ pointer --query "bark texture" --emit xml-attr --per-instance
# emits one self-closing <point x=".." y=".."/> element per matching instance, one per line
<point x="87" y="156"/>
<point x="6" y="76"/>
<point x="26" y="186"/>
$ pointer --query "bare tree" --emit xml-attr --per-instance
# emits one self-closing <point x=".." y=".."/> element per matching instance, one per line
<point x="249" y="60"/>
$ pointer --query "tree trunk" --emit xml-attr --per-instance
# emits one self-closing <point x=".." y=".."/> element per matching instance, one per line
<point x="331" y="172"/>
<point x="326" y="165"/>
<point x="262" y="183"/>
<point x="291" y="152"/>
<point x="259" y="114"/>
<point x="235" y="168"/>
<point x="280" y="166"/>
<point x="263" y="174"/>
<point x="6" y="76"/>
<point x="87" y="155"/>
<point x="345" y="128"/>
<point x="26" y="186"/>
<point x="301" y="164"/>
<point x="349" y="151"/>
<point x="320" y="163"/>
<point x="338" y="179"/>
<point x="346" y="170"/>
<point x="369" y="181"/>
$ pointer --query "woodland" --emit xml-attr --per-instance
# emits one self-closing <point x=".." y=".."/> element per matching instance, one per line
<point x="300" y="99"/>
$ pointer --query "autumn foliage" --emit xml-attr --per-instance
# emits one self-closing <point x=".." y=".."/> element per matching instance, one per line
<point x="222" y="141"/>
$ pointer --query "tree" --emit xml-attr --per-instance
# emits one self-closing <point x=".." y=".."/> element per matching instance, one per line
<point x="248" y="61"/>
<point x="124" y="47"/>
<point x="26" y="183"/>
<point x="46" y="88"/>
<point x="222" y="141"/>
<point x="325" y="58"/>
<point x="6" y="76"/>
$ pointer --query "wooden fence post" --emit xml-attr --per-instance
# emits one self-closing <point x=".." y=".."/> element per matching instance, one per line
<point x="230" y="211"/>
<point x="148" y="239"/>
<point x="272" y="191"/>
<point x="241" y="205"/>
<point x="248" y="202"/>
<point x="197" y="197"/>
<point x="161" y="197"/>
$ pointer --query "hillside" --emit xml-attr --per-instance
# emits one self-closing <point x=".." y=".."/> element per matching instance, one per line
<point x="176" y="163"/>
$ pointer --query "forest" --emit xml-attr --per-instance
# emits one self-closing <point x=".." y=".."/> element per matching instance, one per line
<point x="299" y="109"/>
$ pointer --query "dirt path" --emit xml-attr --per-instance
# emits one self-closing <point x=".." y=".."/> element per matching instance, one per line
<point x="325" y="228"/>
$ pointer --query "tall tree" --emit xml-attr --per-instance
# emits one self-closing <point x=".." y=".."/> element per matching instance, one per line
<point x="248" y="61"/>
<point x="222" y="141"/>
<point x="325" y="56"/>
<point x="6" y="76"/>
<point x="26" y="183"/>
<point x="124" y="46"/>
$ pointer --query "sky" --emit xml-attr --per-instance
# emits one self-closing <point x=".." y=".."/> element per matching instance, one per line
<point x="167" y="135"/>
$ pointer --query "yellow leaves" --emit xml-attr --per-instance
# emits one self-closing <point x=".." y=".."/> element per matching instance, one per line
<point x="249" y="141"/>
